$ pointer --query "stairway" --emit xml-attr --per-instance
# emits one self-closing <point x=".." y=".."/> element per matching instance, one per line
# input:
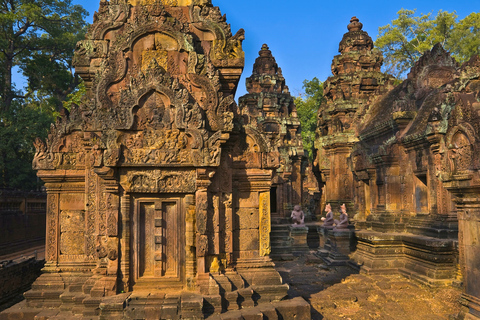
<point x="280" y="242"/>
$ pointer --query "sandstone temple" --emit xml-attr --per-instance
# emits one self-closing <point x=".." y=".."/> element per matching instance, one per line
<point x="162" y="191"/>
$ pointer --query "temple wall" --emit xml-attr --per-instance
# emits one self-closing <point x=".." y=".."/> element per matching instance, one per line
<point x="22" y="221"/>
<point x="16" y="277"/>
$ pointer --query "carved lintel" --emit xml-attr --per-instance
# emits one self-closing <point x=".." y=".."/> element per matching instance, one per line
<point x="159" y="181"/>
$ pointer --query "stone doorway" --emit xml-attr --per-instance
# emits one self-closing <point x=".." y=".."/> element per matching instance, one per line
<point x="158" y="239"/>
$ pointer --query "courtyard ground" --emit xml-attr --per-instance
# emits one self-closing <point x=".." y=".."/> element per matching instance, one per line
<point x="342" y="293"/>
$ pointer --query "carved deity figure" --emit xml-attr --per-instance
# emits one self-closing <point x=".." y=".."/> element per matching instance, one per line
<point x="343" y="222"/>
<point x="298" y="217"/>
<point x="328" y="220"/>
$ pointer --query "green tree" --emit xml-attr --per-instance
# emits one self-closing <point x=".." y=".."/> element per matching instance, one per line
<point x="307" y="108"/>
<point x="405" y="40"/>
<point x="19" y="126"/>
<point x="38" y="37"/>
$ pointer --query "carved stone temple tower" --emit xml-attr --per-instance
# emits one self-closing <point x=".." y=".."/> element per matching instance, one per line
<point x="268" y="110"/>
<point x="355" y="82"/>
<point x="158" y="200"/>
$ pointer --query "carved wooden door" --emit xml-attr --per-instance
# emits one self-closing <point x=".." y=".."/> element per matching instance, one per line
<point x="157" y="239"/>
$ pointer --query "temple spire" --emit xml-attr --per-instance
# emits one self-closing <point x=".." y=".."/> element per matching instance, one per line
<point x="266" y="75"/>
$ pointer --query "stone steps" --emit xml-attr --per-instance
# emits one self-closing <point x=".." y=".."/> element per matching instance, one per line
<point x="296" y="308"/>
<point x="233" y="293"/>
<point x="280" y="242"/>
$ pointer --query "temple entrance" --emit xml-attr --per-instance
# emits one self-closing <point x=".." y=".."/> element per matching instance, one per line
<point x="158" y="239"/>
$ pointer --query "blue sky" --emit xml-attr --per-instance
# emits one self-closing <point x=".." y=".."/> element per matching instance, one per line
<point x="304" y="35"/>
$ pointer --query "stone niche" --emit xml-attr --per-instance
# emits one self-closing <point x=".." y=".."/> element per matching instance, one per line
<point x="155" y="189"/>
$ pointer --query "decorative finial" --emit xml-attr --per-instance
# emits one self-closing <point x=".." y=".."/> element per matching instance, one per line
<point x="355" y="25"/>
<point x="265" y="51"/>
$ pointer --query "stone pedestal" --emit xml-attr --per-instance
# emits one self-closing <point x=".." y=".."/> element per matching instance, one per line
<point x="335" y="245"/>
<point x="299" y="239"/>
<point x="341" y="243"/>
<point x="323" y="237"/>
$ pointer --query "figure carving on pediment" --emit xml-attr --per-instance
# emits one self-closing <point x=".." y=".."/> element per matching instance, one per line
<point x="96" y="156"/>
<point x="461" y="154"/>
<point x="214" y="153"/>
<point x="234" y="45"/>
<point x="40" y="156"/>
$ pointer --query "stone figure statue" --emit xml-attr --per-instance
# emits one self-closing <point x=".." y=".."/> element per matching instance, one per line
<point x="343" y="222"/>
<point x="328" y="220"/>
<point x="298" y="217"/>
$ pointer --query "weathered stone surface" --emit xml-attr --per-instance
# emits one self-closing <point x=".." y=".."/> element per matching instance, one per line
<point x="248" y="218"/>
<point x="269" y="110"/>
<point x="403" y="160"/>
<point x="154" y="181"/>
<point x="16" y="277"/>
<point x="364" y="297"/>
<point x="355" y="83"/>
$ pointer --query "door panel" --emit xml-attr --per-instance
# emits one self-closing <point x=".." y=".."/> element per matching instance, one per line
<point x="157" y="237"/>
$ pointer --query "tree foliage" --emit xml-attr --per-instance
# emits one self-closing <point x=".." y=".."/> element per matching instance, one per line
<point x="38" y="37"/>
<point x="409" y="36"/>
<point x="19" y="126"/>
<point x="307" y="108"/>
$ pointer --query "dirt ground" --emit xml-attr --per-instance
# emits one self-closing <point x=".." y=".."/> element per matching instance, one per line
<point x="341" y="293"/>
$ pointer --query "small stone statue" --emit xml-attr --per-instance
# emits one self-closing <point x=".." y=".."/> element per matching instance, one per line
<point x="298" y="217"/>
<point x="343" y="222"/>
<point x="328" y="220"/>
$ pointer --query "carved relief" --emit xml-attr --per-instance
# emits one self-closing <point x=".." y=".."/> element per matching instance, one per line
<point x="72" y="232"/>
<point x="86" y="50"/>
<point x="461" y="153"/>
<point x="101" y="209"/>
<point x="159" y="147"/>
<point x="160" y="97"/>
<point x="265" y="225"/>
<point x="52" y="232"/>
<point x="112" y="201"/>
<point x="91" y="212"/>
<point x="159" y="181"/>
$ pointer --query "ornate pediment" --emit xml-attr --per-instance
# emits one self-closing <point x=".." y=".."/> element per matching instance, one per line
<point x="160" y="78"/>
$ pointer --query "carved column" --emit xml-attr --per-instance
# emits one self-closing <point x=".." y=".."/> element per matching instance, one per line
<point x="125" y="205"/>
<point x="252" y="214"/>
<point x="51" y="250"/>
<point x="227" y="202"/>
<point x="264" y="223"/>
<point x="201" y="199"/>
<point x="190" y="261"/>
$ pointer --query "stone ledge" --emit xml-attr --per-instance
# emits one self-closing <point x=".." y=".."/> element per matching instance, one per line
<point x="431" y="261"/>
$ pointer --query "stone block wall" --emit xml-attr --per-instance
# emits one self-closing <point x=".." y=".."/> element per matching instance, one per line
<point x="22" y="220"/>
<point x="17" y="277"/>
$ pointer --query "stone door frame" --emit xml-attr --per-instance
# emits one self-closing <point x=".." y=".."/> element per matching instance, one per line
<point x="155" y="281"/>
